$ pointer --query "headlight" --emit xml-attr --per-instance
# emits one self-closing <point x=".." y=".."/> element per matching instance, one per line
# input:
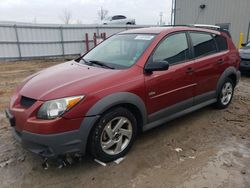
<point x="55" y="108"/>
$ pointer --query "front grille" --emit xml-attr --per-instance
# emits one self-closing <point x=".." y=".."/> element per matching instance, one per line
<point x="27" y="102"/>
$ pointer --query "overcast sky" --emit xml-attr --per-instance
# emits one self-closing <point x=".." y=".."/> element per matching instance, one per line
<point x="50" y="11"/>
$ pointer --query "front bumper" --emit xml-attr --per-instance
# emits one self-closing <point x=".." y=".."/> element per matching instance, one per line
<point x="52" y="145"/>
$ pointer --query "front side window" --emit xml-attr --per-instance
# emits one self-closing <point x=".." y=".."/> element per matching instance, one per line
<point x="120" y="51"/>
<point x="203" y="43"/>
<point x="173" y="49"/>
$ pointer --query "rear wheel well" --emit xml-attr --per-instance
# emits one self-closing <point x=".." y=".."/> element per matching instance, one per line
<point x="233" y="77"/>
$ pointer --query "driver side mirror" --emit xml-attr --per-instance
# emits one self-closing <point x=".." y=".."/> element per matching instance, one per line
<point x="156" y="66"/>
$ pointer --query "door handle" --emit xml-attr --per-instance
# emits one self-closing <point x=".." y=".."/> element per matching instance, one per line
<point x="189" y="70"/>
<point x="220" y="62"/>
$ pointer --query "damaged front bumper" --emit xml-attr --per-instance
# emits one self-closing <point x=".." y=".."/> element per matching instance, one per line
<point x="54" y="145"/>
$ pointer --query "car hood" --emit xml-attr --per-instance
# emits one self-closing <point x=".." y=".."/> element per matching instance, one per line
<point x="244" y="53"/>
<point x="63" y="80"/>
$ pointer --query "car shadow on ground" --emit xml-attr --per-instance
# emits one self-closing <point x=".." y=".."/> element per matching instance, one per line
<point x="147" y="138"/>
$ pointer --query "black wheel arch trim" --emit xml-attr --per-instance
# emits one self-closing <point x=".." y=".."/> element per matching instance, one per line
<point x="229" y="71"/>
<point x="105" y="104"/>
<point x="118" y="99"/>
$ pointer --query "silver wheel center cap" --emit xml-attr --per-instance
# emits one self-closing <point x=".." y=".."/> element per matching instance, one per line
<point x="116" y="136"/>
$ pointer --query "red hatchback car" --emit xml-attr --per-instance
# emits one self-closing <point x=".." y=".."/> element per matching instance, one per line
<point x="131" y="82"/>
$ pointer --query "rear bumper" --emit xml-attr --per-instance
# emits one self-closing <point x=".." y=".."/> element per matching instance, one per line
<point x="52" y="145"/>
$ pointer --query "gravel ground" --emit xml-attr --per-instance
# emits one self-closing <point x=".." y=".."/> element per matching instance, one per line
<point x="215" y="149"/>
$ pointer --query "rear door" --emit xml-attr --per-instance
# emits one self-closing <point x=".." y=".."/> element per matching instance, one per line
<point x="176" y="85"/>
<point x="208" y="64"/>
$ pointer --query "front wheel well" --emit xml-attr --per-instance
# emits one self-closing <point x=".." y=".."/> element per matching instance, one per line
<point x="136" y="112"/>
<point x="132" y="108"/>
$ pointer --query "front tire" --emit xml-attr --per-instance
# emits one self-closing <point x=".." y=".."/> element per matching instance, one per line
<point x="225" y="95"/>
<point x="113" y="135"/>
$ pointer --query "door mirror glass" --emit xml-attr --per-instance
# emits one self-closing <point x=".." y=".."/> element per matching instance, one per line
<point x="156" y="66"/>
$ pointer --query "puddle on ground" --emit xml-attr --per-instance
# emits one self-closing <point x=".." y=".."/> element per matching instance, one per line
<point x="220" y="169"/>
<point x="2" y="114"/>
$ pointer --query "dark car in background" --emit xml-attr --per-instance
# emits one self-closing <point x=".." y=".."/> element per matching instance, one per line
<point x="245" y="58"/>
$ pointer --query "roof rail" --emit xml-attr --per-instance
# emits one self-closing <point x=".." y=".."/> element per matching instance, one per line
<point x="213" y="27"/>
<point x="205" y="26"/>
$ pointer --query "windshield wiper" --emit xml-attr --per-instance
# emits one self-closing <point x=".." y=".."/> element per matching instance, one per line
<point x="101" y="64"/>
<point x="97" y="63"/>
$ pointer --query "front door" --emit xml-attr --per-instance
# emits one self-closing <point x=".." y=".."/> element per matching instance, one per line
<point x="175" y="86"/>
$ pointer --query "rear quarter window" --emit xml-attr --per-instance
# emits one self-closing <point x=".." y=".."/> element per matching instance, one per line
<point x="221" y="42"/>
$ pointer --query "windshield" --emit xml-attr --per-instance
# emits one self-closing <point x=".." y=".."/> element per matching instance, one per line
<point x="248" y="45"/>
<point x="120" y="51"/>
<point x="107" y="19"/>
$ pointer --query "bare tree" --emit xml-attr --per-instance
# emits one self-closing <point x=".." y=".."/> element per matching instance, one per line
<point x="34" y="20"/>
<point x="102" y="13"/>
<point x="66" y="16"/>
<point x="78" y="21"/>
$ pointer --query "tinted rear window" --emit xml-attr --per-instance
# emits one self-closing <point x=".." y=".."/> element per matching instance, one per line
<point x="221" y="42"/>
<point x="203" y="43"/>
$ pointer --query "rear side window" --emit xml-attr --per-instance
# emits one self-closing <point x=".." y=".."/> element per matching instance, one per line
<point x="118" y="17"/>
<point x="221" y="42"/>
<point x="121" y="17"/>
<point x="203" y="43"/>
<point x="172" y="49"/>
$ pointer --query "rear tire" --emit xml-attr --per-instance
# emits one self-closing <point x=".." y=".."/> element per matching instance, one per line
<point x="226" y="93"/>
<point x="113" y="135"/>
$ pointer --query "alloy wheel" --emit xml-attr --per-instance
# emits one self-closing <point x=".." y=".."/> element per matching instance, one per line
<point x="116" y="135"/>
<point x="226" y="93"/>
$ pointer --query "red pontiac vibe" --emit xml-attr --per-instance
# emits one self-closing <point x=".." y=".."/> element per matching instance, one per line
<point x="131" y="82"/>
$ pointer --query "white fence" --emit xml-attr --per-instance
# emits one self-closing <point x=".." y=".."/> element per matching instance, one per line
<point x="30" y="41"/>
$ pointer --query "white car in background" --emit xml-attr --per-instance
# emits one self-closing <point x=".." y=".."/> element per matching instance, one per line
<point x="118" y="20"/>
